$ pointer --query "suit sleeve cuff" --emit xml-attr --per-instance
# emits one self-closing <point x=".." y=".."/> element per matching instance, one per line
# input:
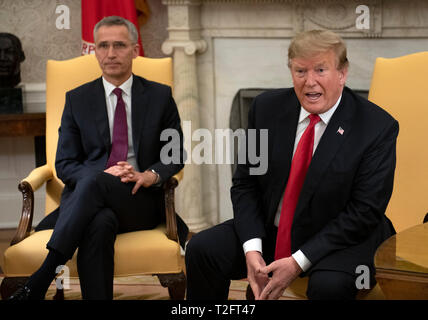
<point x="253" y="245"/>
<point x="158" y="182"/>
<point x="301" y="260"/>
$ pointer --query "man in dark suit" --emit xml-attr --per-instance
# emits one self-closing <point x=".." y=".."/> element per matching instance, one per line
<point x="108" y="157"/>
<point x="319" y="209"/>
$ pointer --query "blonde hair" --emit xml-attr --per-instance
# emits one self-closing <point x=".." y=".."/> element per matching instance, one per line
<point x="309" y="43"/>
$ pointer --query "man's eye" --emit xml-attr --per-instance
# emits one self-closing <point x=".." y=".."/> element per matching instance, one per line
<point x="103" y="45"/>
<point x="119" y="45"/>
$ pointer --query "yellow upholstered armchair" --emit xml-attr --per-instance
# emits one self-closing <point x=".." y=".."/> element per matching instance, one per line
<point x="400" y="86"/>
<point x="149" y="252"/>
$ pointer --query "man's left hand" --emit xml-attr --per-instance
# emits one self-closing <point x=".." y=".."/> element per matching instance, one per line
<point x="145" y="179"/>
<point x="284" y="271"/>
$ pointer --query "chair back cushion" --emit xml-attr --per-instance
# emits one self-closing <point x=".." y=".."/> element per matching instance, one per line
<point x="62" y="76"/>
<point x="400" y="86"/>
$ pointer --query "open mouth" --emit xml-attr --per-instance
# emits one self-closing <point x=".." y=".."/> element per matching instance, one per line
<point x="313" y="96"/>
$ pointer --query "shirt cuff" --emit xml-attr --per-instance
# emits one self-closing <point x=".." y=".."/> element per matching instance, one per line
<point x="253" y="245"/>
<point x="301" y="260"/>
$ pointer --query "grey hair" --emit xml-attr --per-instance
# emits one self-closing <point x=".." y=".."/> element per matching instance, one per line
<point x="118" y="21"/>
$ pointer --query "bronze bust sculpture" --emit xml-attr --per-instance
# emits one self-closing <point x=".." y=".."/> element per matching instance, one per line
<point x="11" y="56"/>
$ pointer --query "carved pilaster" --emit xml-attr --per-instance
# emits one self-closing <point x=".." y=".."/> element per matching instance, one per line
<point x="190" y="47"/>
<point x="183" y="44"/>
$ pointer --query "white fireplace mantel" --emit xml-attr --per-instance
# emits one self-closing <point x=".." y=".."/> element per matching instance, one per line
<point x="221" y="46"/>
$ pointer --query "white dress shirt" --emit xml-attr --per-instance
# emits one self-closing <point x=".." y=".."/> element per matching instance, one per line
<point x="256" y="243"/>
<point x="111" y="102"/>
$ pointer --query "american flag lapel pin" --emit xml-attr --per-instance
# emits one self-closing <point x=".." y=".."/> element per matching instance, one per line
<point x="340" y="131"/>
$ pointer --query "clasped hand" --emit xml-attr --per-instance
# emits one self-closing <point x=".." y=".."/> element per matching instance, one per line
<point x="284" y="271"/>
<point x="127" y="173"/>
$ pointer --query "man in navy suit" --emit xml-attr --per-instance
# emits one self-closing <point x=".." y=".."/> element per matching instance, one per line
<point x="337" y="219"/>
<point x="108" y="157"/>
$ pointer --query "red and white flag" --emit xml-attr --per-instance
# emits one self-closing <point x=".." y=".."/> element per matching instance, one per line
<point x="93" y="11"/>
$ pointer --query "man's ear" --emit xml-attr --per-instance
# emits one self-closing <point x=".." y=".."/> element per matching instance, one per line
<point x="136" y="51"/>
<point x="343" y="75"/>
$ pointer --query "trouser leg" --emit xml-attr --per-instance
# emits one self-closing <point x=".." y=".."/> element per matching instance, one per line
<point x="213" y="258"/>
<point x="95" y="257"/>
<point x="331" y="285"/>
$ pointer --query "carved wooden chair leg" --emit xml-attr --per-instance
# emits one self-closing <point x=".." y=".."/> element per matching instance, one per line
<point x="59" y="295"/>
<point x="176" y="284"/>
<point x="10" y="285"/>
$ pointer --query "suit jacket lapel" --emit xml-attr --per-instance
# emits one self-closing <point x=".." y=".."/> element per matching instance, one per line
<point x="283" y="145"/>
<point x="140" y="106"/>
<point x="327" y="148"/>
<point x="285" y="135"/>
<point x="98" y="103"/>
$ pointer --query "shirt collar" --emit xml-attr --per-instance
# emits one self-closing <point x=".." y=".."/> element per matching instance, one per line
<point x="126" y="86"/>
<point x="325" y="117"/>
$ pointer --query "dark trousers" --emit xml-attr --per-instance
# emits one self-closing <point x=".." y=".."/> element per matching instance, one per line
<point x="215" y="256"/>
<point x="89" y="219"/>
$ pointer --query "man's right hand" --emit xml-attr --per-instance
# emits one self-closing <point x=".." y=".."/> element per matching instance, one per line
<point x="257" y="280"/>
<point x="120" y="170"/>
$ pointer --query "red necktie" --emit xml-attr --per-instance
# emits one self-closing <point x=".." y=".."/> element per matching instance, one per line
<point x="119" y="147"/>
<point x="299" y="167"/>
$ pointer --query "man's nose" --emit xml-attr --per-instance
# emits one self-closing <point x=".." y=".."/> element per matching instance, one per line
<point x="310" y="79"/>
<point x="111" y="52"/>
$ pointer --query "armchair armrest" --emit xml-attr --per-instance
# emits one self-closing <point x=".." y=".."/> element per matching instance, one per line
<point x="39" y="176"/>
<point x="179" y="175"/>
<point x="171" y="221"/>
<point x="28" y="185"/>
